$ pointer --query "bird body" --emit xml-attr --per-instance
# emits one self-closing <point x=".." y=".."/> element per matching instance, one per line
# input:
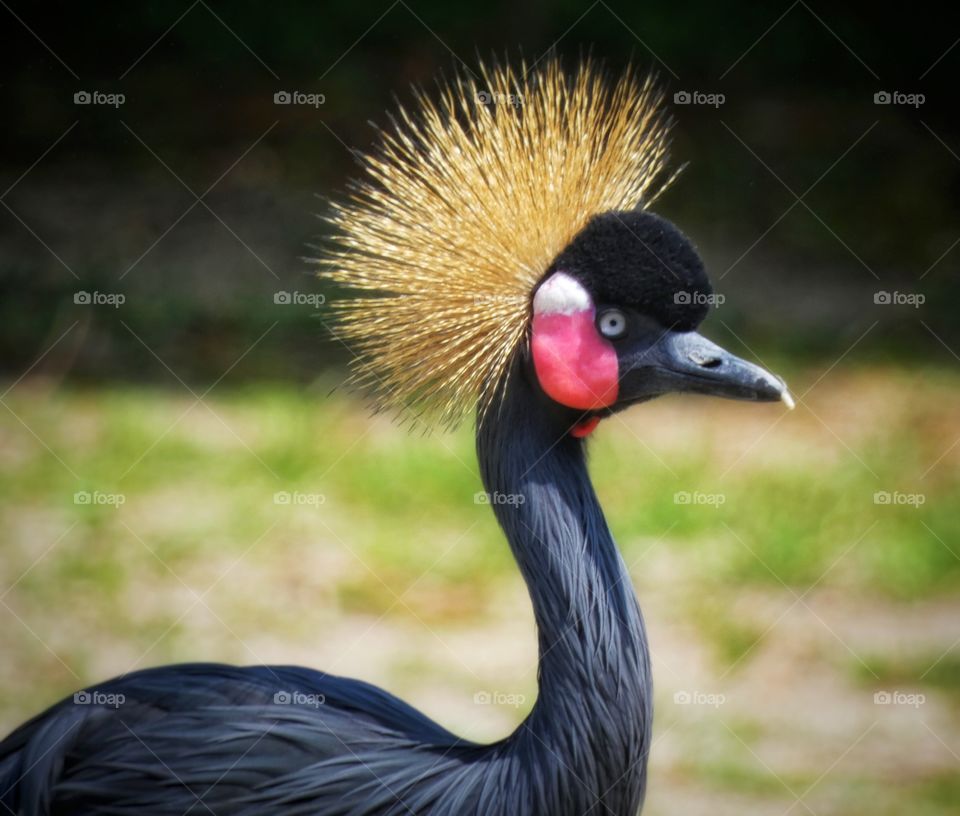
<point x="546" y="330"/>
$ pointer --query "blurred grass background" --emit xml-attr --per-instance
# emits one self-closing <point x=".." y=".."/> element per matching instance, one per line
<point x="385" y="567"/>
<point x="779" y="602"/>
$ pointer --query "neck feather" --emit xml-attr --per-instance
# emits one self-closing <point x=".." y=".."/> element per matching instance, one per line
<point x="594" y="708"/>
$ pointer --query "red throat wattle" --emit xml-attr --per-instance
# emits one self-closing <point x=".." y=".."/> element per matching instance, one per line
<point x="575" y="365"/>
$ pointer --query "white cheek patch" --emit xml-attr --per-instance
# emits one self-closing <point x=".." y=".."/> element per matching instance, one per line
<point x="561" y="294"/>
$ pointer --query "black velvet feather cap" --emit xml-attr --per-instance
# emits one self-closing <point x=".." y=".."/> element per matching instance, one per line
<point x="639" y="260"/>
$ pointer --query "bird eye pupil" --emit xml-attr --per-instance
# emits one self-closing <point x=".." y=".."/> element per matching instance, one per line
<point x="612" y="323"/>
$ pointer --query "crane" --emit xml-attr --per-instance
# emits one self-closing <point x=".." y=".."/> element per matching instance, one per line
<point x="503" y="260"/>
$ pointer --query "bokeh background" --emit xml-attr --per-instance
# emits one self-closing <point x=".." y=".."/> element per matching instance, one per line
<point x="184" y="478"/>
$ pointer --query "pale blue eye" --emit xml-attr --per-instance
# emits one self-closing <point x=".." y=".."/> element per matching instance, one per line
<point x="612" y="323"/>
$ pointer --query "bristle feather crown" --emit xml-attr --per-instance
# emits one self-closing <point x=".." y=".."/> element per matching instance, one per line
<point x="462" y="208"/>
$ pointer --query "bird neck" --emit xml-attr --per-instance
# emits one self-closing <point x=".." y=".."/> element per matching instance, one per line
<point x="594" y="674"/>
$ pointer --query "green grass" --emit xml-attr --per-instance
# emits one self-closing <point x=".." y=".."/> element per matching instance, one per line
<point x="936" y="670"/>
<point x="207" y="478"/>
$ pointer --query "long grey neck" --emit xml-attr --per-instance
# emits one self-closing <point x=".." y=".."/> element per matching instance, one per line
<point x="593" y="715"/>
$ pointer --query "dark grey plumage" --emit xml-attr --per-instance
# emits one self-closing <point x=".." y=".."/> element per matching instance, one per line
<point x="205" y="737"/>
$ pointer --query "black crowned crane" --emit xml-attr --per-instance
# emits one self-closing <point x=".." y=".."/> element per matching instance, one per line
<point x="508" y="265"/>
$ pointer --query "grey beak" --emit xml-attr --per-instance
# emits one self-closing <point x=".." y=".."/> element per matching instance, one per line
<point x="688" y="362"/>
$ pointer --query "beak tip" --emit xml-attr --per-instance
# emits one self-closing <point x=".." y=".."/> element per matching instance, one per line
<point x="787" y="399"/>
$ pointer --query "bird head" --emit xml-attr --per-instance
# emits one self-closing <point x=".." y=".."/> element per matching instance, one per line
<point x="614" y="322"/>
<point x="505" y="222"/>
